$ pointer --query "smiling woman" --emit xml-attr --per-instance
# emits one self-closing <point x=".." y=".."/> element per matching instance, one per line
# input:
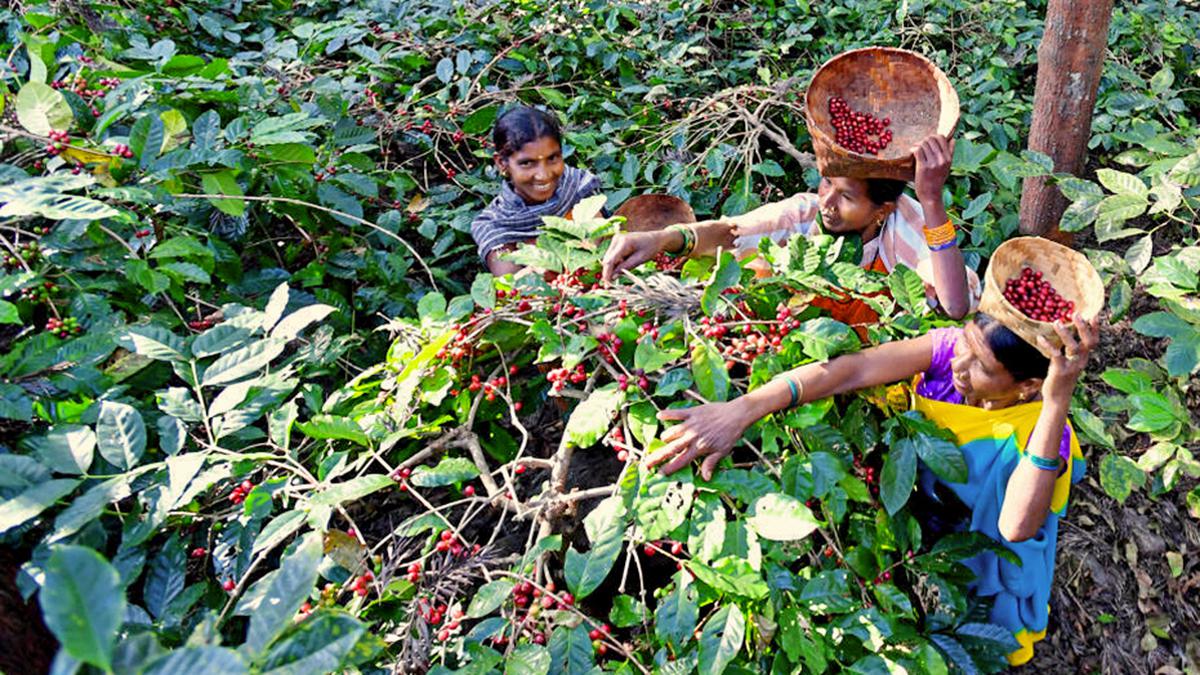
<point x="537" y="183"/>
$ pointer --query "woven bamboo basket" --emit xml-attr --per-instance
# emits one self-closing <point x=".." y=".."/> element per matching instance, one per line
<point x="884" y="82"/>
<point x="1067" y="270"/>
<point x="645" y="213"/>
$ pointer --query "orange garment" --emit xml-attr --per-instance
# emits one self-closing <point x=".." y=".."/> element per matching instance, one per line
<point x="852" y="311"/>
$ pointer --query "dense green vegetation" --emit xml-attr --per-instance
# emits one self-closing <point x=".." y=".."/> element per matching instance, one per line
<point x="261" y="411"/>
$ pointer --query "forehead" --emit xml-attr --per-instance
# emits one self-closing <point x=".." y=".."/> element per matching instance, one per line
<point x="975" y="341"/>
<point x="538" y="149"/>
<point x="854" y="186"/>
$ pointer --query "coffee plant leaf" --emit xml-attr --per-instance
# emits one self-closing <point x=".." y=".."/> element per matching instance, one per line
<point x="83" y="603"/>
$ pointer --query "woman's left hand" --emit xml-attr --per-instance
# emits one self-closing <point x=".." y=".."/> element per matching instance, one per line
<point x="933" y="158"/>
<point x="710" y="429"/>
<point x="1068" y="364"/>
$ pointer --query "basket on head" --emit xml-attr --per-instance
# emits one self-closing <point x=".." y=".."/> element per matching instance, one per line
<point x="1067" y="270"/>
<point x="887" y="83"/>
<point x="645" y="213"/>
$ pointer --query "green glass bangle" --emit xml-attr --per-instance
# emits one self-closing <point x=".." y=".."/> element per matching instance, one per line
<point x="689" y="241"/>
<point x="1043" y="463"/>
<point x="794" y="391"/>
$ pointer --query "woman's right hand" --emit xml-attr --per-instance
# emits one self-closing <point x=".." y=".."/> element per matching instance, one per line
<point x="630" y="249"/>
<point x="710" y="429"/>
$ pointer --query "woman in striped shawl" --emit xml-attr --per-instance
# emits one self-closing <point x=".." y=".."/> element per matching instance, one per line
<point x="537" y="183"/>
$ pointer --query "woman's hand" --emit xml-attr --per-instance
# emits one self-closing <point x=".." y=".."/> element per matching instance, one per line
<point x="710" y="429"/>
<point x="630" y="249"/>
<point x="1068" y="364"/>
<point x="933" y="158"/>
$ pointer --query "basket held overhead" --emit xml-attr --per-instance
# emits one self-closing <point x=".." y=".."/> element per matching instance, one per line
<point x="885" y="82"/>
<point x="1067" y="270"/>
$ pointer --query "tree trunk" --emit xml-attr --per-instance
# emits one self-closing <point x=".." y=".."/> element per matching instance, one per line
<point x="1070" y="59"/>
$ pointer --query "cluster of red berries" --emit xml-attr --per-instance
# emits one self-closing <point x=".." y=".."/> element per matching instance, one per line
<point x="414" y="572"/>
<point x="530" y="603"/>
<point x="321" y="174"/>
<point x="750" y="346"/>
<point x="450" y="543"/>
<point x="304" y="611"/>
<point x="867" y="474"/>
<point x="579" y="278"/>
<point x="64" y="327"/>
<point x="643" y="382"/>
<point x="38" y="293"/>
<point x="401" y="476"/>
<point x="122" y="150"/>
<point x="617" y="440"/>
<point x="651" y="548"/>
<point x="489" y="388"/>
<point x="456" y="616"/>
<point x="143" y="233"/>
<point x="198" y="552"/>
<point x="597" y="635"/>
<point x="665" y="263"/>
<point x="239" y="492"/>
<point x="856" y="131"/>
<point x="360" y="585"/>
<point x="610" y="345"/>
<point x="200" y="324"/>
<point x="1036" y="298"/>
<point x="648" y="328"/>
<point x="560" y="376"/>
<point x="713" y="328"/>
<point x="59" y="140"/>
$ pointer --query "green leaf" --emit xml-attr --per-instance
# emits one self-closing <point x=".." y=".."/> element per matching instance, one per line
<point x="322" y="644"/>
<point x="1152" y="412"/>
<point x="720" y="639"/>
<point x="824" y="337"/>
<point x="942" y="456"/>
<point x="781" y="517"/>
<point x="121" y="434"/>
<point x="242" y="362"/>
<point x="285" y="592"/>
<point x="1183" y="355"/>
<point x="708" y="372"/>
<point x="83" y="603"/>
<point x="488" y="598"/>
<point x="898" y="476"/>
<point x="280" y="528"/>
<point x="908" y="289"/>
<point x="1122" y="183"/>
<point x="528" y="659"/>
<point x="651" y="358"/>
<point x="291" y="325"/>
<point x="165" y="579"/>
<point x="733" y="575"/>
<point x="483" y="290"/>
<point x="605" y="526"/>
<point x="1121" y="207"/>
<point x="9" y="313"/>
<point x="334" y="427"/>
<point x="828" y="593"/>
<point x="146" y="138"/>
<point x="42" y="109"/>
<point x="571" y="651"/>
<point x="353" y="489"/>
<point x="154" y="342"/>
<point x="677" y="613"/>
<point x="662" y="502"/>
<point x="675" y="381"/>
<point x="627" y="611"/>
<point x="223" y="183"/>
<point x="189" y="660"/>
<point x="480" y="120"/>
<point x="68" y="448"/>
<point x="218" y="340"/>
<point x="1162" y="324"/>
<point x="726" y="275"/>
<point x="592" y="418"/>
<point x="977" y="206"/>
<point x="445" y="70"/>
<point x="1120" y="476"/>
<point x="37" y="498"/>
<point x="449" y="470"/>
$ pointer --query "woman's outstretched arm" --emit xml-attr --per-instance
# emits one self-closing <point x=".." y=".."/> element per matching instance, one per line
<point x="713" y="428"/>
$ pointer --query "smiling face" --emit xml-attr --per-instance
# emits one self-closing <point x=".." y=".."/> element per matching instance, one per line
<point x="534" y="169"/>
<point x="847" y="208"/>
<point x="980" y="377"/>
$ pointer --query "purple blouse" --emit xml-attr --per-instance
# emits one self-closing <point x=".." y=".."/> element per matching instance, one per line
<point x="938" y="382"/>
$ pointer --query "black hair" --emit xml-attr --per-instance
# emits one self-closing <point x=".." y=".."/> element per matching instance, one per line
<point x="884" y="190"/>
<point x="1022" y="360"/>
<point x="521" y="125"/>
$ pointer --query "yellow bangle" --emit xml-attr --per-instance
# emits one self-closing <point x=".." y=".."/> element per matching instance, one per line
<point x="941" y="236"/>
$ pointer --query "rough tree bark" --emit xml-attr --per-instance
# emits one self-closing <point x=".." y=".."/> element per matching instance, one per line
<point x="1070" y="59"/>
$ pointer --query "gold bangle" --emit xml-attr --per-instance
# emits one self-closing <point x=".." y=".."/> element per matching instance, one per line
<point x="941" y="235"/>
